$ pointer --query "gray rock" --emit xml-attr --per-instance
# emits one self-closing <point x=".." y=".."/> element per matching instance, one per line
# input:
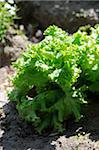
<point x="38" y="33"/>
<point x="67" y="14"/>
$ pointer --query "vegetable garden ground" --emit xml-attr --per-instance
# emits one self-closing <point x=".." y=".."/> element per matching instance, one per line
<point x="49" y="97"/>
<point x="17" y="135"/>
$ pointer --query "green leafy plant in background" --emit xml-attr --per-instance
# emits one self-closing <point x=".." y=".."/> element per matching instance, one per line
<point x="7" y="15"/>
<point x="51" y="77"/>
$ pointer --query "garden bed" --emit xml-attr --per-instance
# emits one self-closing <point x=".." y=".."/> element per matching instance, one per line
<point x="18" y="135"/>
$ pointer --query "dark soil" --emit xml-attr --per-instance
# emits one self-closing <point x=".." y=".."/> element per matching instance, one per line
<point x="16" y="134"/>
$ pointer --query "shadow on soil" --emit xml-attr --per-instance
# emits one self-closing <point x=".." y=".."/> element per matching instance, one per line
<point x="17" y="135"/>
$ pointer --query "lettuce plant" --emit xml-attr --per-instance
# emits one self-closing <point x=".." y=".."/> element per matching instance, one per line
<point x="7" y="14"/>
<point x="51" y="77"/>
